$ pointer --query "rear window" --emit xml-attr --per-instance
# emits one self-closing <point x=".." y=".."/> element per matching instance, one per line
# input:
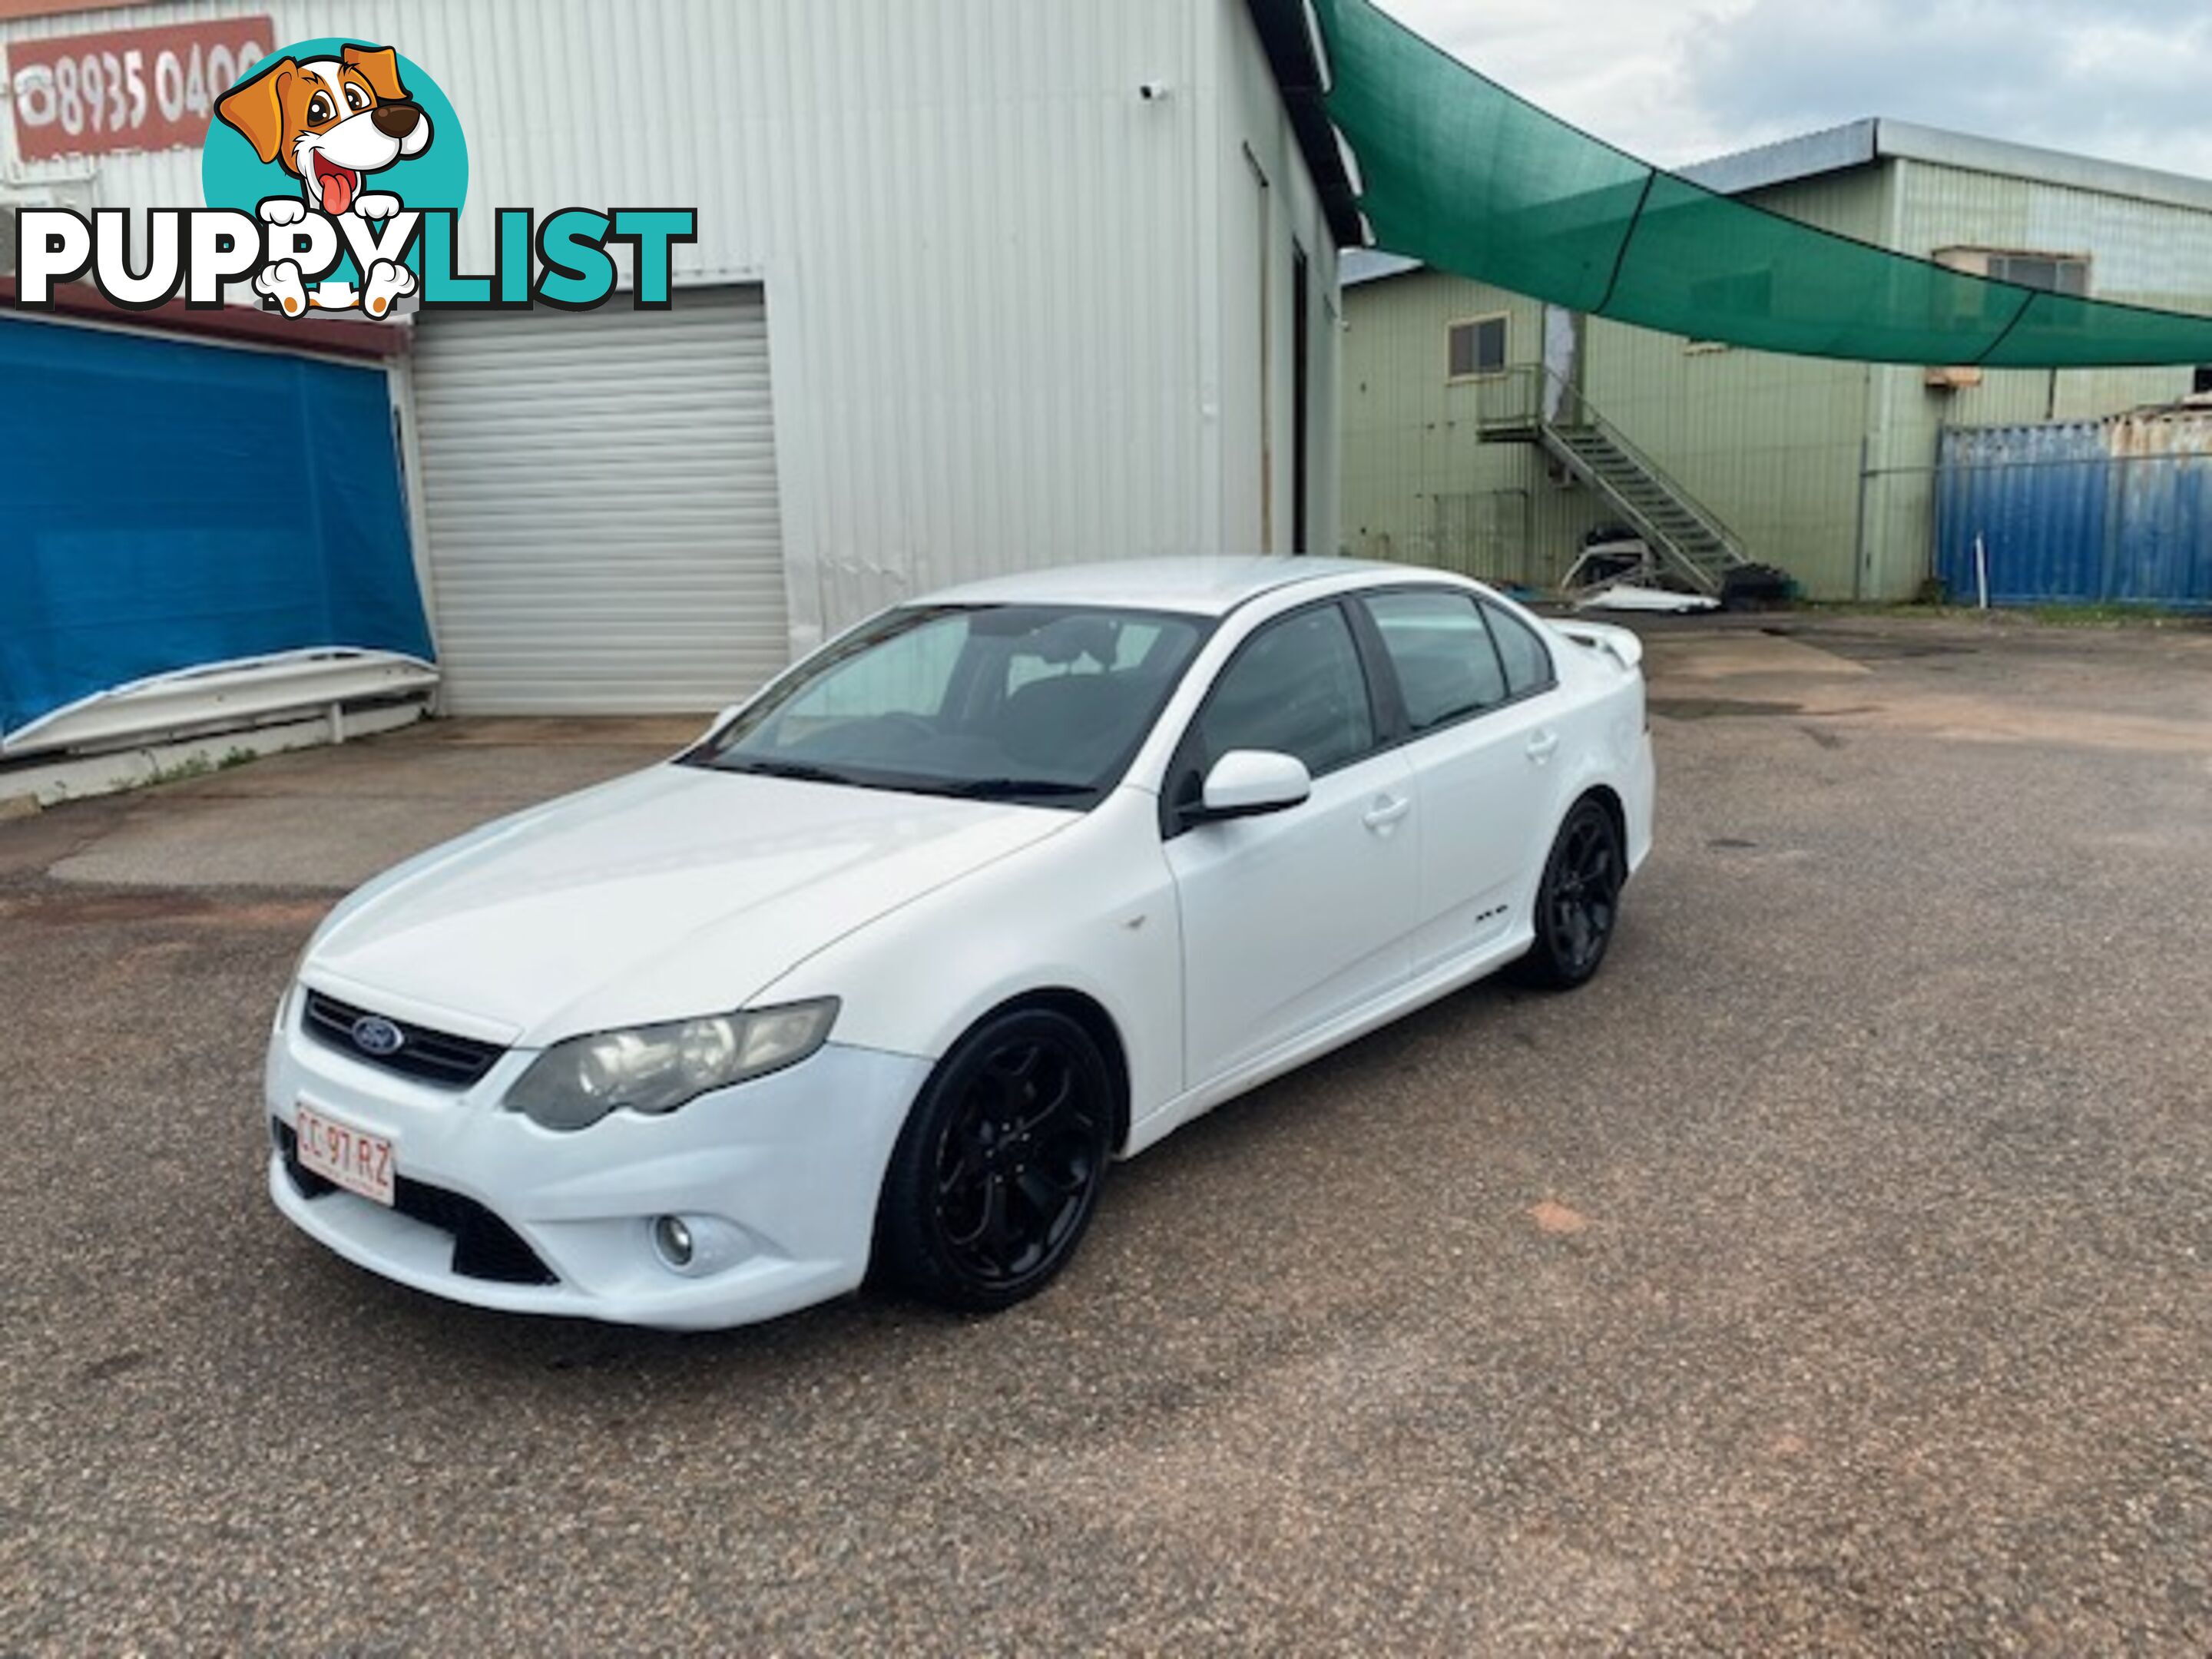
<point x="1527" y="663"/>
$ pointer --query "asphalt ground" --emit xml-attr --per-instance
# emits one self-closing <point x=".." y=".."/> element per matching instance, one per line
<point x="1835" y="1274"/>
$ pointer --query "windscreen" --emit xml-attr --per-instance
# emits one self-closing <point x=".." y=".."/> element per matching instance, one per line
<point x="1033" y="703"/>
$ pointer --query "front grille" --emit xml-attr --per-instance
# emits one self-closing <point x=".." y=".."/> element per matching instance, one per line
<point x="484" y="1247"/>
<point x="451" y="1063"/>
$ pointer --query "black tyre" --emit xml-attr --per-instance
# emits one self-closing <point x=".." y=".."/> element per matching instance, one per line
<point x="997" y="1170"/>
<point x="1579" y="901"/>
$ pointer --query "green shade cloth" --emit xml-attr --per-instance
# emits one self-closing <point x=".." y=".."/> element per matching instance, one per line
<point x="1458" y="172"/>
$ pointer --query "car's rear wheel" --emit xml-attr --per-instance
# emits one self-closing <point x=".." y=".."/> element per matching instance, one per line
<point x="997" y="1170"/>
<point x="1578" y="904"/>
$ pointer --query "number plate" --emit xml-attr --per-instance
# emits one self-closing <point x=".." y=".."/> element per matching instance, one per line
<point x="352" y="1158"/>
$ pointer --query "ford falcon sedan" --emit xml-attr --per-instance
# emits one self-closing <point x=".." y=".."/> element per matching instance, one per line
<point x="1005" y="885"/>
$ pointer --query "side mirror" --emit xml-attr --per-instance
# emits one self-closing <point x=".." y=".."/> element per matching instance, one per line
<point x="721" y="721"/>
<point x="1250" y="783"/>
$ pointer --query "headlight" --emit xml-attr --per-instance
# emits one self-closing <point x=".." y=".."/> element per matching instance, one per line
<point x="282" y="1021"/>
<point x="657" y="1068"/>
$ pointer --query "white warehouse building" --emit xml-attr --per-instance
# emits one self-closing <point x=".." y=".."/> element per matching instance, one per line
<point x="978" y="285"/>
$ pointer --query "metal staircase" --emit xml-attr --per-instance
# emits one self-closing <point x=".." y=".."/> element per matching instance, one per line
<point x="1531" y="405"/>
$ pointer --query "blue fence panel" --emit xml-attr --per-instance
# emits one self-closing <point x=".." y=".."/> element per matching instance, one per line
<point x="166" y="506"/>
<point x="2036" y="497"/>
<point x="2086" y="513"/>
<point x="2162" y="532"/>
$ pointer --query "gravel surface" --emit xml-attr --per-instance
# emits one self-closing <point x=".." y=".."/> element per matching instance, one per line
<point x="1835" y="1274"/>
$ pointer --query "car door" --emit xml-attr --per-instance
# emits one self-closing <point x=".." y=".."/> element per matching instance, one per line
<point x="1293" y="919"/>
<point x="1478" y="697"/>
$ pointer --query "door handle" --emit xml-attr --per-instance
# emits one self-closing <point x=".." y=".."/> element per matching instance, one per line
<point x="1387" y="813"/>
<point x="1543" y="746"/>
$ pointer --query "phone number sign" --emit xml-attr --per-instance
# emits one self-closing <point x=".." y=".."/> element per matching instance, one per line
<point x="92" y="94"/>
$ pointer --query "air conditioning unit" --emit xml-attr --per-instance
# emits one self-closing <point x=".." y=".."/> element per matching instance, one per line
<point x="1953" y="378"/>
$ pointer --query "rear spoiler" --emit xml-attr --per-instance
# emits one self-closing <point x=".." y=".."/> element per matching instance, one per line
<point x="1618" y="643"/>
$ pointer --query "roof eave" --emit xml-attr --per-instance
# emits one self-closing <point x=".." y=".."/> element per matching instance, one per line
<point x="334" y="336"/>
<point x="1291" y="38"/>
<point x="1861" y="144"/>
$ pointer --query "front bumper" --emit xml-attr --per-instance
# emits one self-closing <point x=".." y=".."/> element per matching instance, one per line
<point x="777" y="1178"/>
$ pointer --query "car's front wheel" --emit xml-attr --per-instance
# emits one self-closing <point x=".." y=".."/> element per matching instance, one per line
<point x="998" y="1168"/>
<point x="1578" y="904"/>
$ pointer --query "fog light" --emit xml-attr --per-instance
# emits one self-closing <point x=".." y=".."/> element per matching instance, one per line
<point x="673" y="1240"/>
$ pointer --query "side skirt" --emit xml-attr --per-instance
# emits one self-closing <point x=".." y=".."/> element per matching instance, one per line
<point x="1435" y="984"/>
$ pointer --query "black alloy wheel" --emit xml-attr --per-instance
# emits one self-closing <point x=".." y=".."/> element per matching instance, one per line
<point x="1578" y="905"/>
<point x="997" y="1170"/>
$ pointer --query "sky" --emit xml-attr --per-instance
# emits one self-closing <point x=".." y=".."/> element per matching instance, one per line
<point x="1680" y="81"/>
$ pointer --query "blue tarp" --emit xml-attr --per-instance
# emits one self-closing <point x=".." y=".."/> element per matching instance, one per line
<point x="165" y="505"/>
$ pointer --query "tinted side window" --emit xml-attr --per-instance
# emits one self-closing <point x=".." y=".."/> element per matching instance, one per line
<point x="1296" y="688"/>
<point x="1447" y="669"/>
<point x="1527" y="663"/>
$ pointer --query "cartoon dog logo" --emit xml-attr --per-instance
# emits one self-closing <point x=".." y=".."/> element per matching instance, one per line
<point x="331" y="122"/>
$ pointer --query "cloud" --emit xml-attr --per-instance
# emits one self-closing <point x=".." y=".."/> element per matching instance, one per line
<point x="1628" y="93"/>
<point x="2122" y="78"/>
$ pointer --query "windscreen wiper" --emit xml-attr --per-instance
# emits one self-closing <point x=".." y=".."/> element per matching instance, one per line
<point x="1010" y="788"/>
<point x="799" y="771"/>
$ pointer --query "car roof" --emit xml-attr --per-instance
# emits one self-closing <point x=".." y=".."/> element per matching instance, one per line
<point x="1201" y="586"/>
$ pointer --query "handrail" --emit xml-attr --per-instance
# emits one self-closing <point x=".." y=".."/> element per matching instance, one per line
<point x="1527" y="385"/>
<point x="1515" y="388"/>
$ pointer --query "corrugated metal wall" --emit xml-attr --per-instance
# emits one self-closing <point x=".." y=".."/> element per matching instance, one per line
<point x="2080" y="513"/>
<point x="1006" y="291"/>
<point x="1420" y="485"/>
<point x="745" y="108"/>
<point x="1770" y="445"/>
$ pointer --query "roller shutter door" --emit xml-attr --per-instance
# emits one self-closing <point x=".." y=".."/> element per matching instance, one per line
<point x="600" y="495"/>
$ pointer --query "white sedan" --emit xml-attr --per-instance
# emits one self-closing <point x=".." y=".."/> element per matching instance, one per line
<point x="1002" y="885"/>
